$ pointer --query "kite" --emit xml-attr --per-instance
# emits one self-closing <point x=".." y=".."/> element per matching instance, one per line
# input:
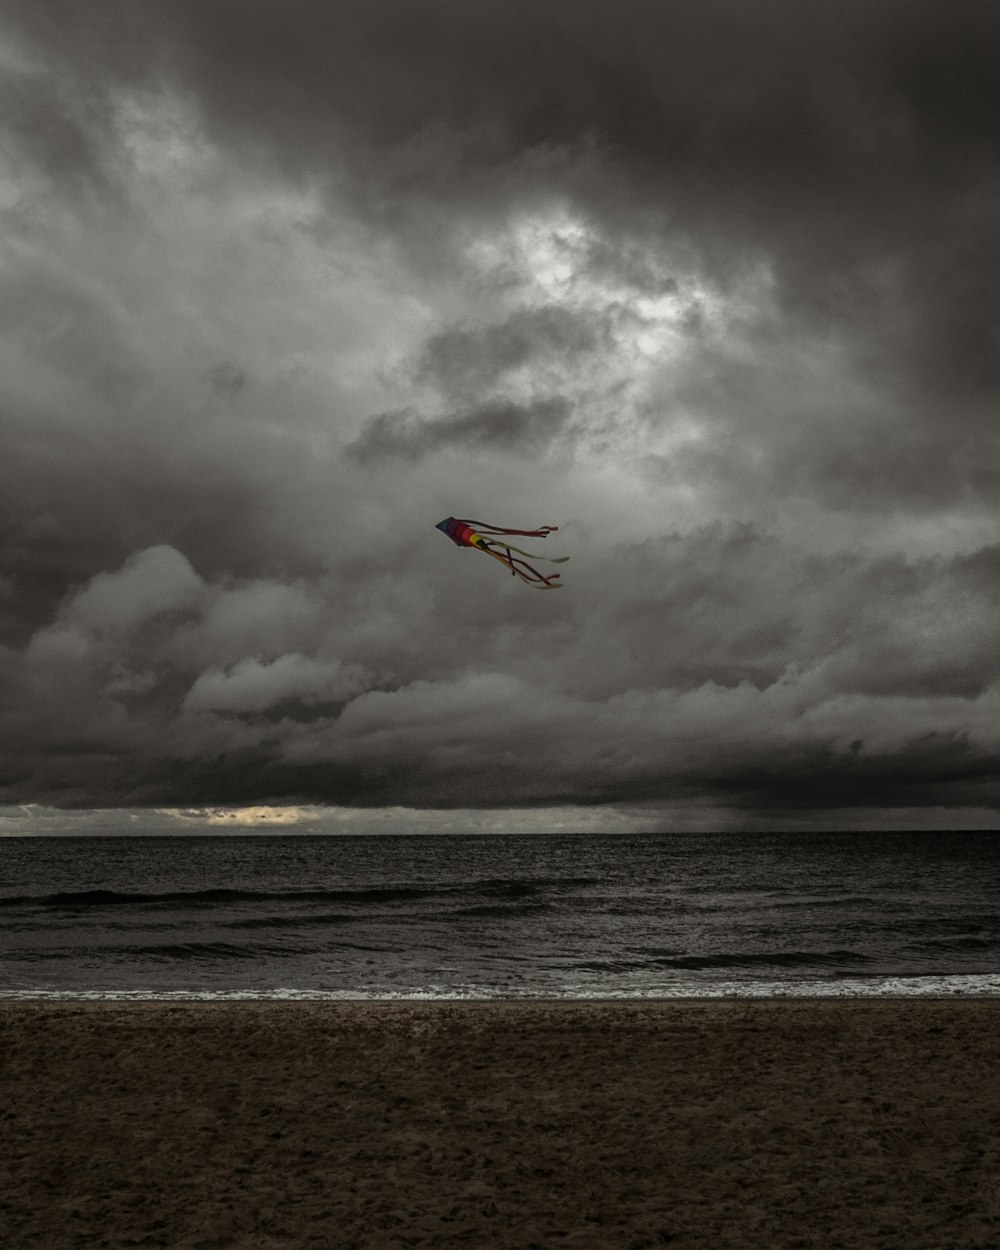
<point x="488" y="538"/>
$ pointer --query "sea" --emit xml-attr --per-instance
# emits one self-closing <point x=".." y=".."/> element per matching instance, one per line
<point x="492" y="916"/>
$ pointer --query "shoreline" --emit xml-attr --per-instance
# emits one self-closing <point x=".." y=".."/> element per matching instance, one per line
<point x="306" y="998"/>
<point x="264" y="1124"/>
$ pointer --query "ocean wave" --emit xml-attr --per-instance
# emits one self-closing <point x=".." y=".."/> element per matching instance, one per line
<point x="296" y="922"/>
<point x="201" y="898"/>
<point x="819" y="903"/>
<point x="200" y="951"/>
<point x="763" y="959"/>
<point x="173" y="951"/>
<point x="945" y="944"/>
<point x="491" y="887"/>
<point x="497" y="911"/>
<point x="736" y="959"/>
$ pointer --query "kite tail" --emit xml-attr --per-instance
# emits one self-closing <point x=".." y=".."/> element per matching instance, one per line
<point x="483" y="527"/>
<point x="531" y="556"/>
<point x="523" y="570"/>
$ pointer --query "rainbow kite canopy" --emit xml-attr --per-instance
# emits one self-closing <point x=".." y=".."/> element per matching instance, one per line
<point x="492" y="540"/>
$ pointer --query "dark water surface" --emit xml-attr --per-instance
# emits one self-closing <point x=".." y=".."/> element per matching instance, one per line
<point x="501" y="916"/>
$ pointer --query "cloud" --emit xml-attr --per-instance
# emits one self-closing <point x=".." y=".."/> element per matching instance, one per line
<point x="150" y="583"/>
<point x="464" y="359"/>
<point x="251" y="686"/>
<point x="883" y="693"/>
<point x="522" y="429"/>
<point x="708" y="285"/>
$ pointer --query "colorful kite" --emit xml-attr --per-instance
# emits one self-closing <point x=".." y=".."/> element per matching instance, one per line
<point x="479" y="534"/>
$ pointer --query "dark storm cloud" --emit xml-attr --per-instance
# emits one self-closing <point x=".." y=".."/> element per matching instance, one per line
<point x="854" y="147"/>
<point x="712" y="281"/>
<point x="697" y="671"/>
<point x="227" y="379"/>
<point x="828" y="138"/>
<point x="791" y="108"/>
<point x="499" y="425"/>
<point x="827" y="431"/>
<point x="465" y="359"/>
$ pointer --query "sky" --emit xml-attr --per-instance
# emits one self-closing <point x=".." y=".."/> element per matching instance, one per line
<point x="709" y="285"/>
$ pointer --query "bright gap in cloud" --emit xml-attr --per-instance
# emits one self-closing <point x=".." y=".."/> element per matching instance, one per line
<point x="236" y="817"/>
<point x="161" y="136"/>
<point x="37" y="820"/>
<point x="647" y="308"/>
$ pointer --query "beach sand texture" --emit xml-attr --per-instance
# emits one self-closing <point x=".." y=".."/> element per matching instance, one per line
<point x="267" y="1125"/>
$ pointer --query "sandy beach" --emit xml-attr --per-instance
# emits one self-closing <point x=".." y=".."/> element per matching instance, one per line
<point x="405" y="1125"/>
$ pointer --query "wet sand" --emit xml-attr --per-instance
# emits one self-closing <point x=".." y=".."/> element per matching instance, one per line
<point x="266" y="1126"/>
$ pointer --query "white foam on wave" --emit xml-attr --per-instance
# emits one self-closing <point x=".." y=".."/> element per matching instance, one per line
<point x="978" y="985"/>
